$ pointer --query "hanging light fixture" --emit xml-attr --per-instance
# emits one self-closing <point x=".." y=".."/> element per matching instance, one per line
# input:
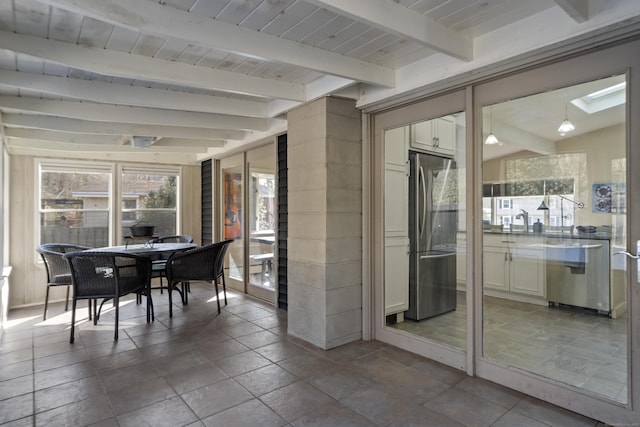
<point x="543" y="206"/>
<point x="566" y="126"/>
<point x="491" y="138"/>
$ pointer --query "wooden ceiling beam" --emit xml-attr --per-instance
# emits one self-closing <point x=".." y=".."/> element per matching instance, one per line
<point x="110" y="93"/>
<point x="125" y="65"/>
<point x="62" y="124"/>
<point x="123" y="114"/>
<point x="161" y="20"/>
<point x="401" y="21"/>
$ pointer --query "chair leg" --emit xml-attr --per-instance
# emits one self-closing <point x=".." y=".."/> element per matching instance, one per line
<point x="185" y="297"/>
<point x="116" y="304"/>
<point x="66" y="302"/>
<point x="224" y="289"/>
<point x="89" y="309"/>
<point x="150" y="313"/>
<point x="169" y="291"/>
<point x="73" y="320"/>
<point x="215" y="283"/>
<point x="46" y="303"/>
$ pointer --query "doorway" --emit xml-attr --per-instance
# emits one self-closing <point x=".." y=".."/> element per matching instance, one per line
<point x="249" y="210"/>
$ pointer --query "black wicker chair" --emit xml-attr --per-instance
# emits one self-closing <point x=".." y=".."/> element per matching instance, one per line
<point x="108" y="275"/>
<point x="194" y="264"/>
<point x="58" y="273"/>
<point x="158" y="266"/>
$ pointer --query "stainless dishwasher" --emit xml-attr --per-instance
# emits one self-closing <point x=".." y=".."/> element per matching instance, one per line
<point x="578" y="273"/>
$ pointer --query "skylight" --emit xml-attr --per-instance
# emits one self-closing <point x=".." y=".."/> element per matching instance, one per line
<point x="602" y="99"/>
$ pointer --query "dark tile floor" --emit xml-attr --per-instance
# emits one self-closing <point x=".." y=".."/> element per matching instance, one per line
<point x="239" y="368"/>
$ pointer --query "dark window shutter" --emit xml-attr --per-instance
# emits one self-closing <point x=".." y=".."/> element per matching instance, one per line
<point x="206" y="174"/>
<point x="282" y="221"/>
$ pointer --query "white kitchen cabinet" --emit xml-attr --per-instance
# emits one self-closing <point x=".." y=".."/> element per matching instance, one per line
<point x="514" y="267"/>
<point x="435" y="136"/>
<point x="396" y="221"/>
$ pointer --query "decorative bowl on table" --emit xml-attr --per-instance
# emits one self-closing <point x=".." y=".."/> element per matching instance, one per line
<point x="142" y="230"/>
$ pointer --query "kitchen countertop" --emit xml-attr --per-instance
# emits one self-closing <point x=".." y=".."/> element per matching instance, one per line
<point x="593" y="236"/>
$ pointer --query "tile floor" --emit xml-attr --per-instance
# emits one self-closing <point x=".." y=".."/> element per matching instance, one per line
<point x="239" y="368"/>
<point x="571" y="345"/>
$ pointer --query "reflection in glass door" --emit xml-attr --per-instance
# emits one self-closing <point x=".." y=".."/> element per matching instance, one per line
<point x="554" y="214"/>
<point x="262" y="223"/>
<point x="232" y="214"/>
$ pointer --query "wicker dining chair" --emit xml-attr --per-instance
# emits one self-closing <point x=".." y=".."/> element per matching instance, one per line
<point x="58" y="273"/>
<point x="158" y="266"/>
<point x="195" y="264"/>
<point x="109" y="276"/>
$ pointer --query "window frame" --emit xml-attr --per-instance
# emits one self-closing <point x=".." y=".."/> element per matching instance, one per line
<point x="115" y="204"/>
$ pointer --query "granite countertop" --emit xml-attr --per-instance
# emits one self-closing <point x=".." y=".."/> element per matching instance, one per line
<point x="594" y="236"/>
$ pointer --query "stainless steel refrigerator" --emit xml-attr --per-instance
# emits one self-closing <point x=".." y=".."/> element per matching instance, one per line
<point x="433" y="224"/>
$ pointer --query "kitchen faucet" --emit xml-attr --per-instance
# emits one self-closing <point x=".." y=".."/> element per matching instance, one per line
<point x="525" y="217"/>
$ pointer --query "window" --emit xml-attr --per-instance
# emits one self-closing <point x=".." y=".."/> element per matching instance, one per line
<point x="74" y="204"/>
<point x="150" y="197"/>
<point x="506" y="203"/>
<point x="76" y="201"/>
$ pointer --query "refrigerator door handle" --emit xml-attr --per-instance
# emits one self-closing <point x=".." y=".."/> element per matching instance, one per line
<point x="422" y="184"/>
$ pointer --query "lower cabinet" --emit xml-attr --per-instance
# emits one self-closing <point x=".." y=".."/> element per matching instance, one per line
<point x="514" y="268"/>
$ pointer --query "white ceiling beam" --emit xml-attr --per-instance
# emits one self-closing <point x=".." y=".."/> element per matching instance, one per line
<point x="162" y="20"/>
<point x="401" y="21"/>
<point x="122" y="114"/>
<point x="130" y="66"/>
<point x="110" y="93"/>
<point x="72" y="147"/>
<point x="180" y="142"/>
<point x="578" y="10"/>
<point x="76" y="138"/>
<point x="525" y="140"/>
<point x="62" y="124"/>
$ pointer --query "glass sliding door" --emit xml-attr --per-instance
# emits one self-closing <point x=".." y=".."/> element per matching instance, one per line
<point x="248" y="210"/>
<point x="556" y="307"/>
<point x="261" y="222"/>
<point x="554" y="294"/>
<point x="232" y="203"/>
<point x="424" y="294"/>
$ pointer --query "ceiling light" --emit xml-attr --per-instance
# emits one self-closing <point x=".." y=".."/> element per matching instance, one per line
<point x="566" y="126"/>
<point x="142" y="142"/>
<point x="491" y="139"/>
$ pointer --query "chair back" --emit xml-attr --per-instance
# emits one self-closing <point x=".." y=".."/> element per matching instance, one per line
<point x="53" y="257"/>
<point x="219" y="267"/>
<point x="194" y="264"/>
<point x="108" y="274"/>
<point x="173" y="239"/>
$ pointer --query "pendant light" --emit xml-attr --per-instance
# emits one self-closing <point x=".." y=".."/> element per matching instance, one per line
<point x="566" y="126"/>
<point x="491" y="138"/>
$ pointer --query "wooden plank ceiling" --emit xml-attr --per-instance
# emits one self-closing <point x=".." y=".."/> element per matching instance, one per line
<point x="202" y="77"/>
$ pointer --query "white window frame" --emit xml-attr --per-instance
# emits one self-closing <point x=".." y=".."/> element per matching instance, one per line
<point x="115" y="169"/>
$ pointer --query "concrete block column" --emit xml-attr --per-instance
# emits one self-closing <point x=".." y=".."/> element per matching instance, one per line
<point x="325" y="222"/>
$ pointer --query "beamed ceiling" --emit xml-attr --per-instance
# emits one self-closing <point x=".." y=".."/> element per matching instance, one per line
<point x="206" y="77"/>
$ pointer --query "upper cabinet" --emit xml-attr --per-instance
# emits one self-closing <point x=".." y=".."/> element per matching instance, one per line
<point x="435" y="136"/>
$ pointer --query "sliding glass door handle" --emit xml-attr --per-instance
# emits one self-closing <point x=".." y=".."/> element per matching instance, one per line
<point x="629" y="254"/>
<point x="632" y="256"/>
